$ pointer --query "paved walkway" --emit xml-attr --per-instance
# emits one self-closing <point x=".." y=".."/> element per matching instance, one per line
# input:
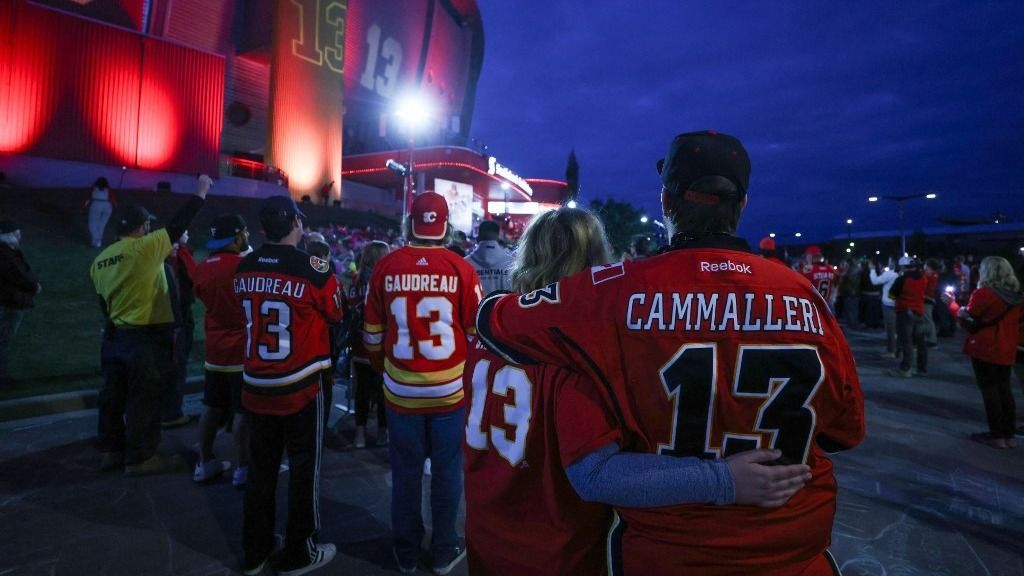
<point x="917" y="498"/>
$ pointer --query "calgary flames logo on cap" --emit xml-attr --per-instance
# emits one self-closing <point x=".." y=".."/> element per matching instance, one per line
<point x="429" y="217"/>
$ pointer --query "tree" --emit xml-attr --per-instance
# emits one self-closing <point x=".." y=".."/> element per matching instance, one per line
<point x="621" y="222"/>
<point x="572" y="175"/>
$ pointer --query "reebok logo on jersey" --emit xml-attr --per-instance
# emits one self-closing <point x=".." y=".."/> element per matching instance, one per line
<point x="422" y="261"/>
<point x="727" y="266"/>
<point x="265" y="260"/>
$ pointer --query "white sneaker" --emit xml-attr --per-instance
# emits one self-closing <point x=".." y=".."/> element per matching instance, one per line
<point x="319" y="556"/>
<point x="210" y="470"/>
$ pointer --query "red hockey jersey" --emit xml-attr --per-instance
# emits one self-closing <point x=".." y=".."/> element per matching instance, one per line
<point x="288" y="298"/>
<point x="703" y="351"/>
<point x="421" y="304"/>
<point x="823" y="278"/>
<point x="525" y="425"/>
<point x="224" y="321"/>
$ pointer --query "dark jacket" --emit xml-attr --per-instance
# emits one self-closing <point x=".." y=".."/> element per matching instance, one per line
<point x="18" y="285"/>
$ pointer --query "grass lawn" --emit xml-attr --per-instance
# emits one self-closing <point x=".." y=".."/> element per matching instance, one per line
<point x="57" y="348"/>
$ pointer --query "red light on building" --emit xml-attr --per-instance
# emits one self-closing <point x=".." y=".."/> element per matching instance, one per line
<point x="158" y="134"/>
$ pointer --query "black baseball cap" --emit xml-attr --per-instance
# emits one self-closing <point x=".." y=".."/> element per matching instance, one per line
<point x="131" y="217"/>
<point x="224" y="229"/>
<point x="279" y="207"/>
<point x="695" y="155"/>
<point x="489" y="230"/>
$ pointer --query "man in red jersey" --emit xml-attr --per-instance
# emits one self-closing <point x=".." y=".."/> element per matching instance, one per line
<point x="224" y="323"/>
<point x="820" y="274"/>
<point x="527" y="423"/>
<point x="420" y="304"/>
<point x="706" y="350"/>
<point x="289" y="298"/>
<point x="909" y="293"/>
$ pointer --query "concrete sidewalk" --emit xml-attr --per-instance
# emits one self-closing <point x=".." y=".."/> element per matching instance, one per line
<point x="916" y="498"/>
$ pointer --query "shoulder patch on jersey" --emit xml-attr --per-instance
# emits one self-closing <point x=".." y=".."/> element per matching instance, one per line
<point x="319" y="264"/>
<point x="599" y="274"/>
<point x="548" y="294"/>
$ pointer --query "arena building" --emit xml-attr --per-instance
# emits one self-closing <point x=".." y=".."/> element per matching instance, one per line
<point x="272" y="95"/>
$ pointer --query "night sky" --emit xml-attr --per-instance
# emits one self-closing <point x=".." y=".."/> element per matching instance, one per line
<point x="833" y="101"/>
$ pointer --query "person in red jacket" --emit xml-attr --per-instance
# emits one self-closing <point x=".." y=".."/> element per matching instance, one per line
<point x="224" y="325"/>
<point x="908" y="292"/>
<point x="992" y="316"/>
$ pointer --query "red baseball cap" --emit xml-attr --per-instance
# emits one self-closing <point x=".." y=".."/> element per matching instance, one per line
<point x="813" y="251"/>
<point x="429" y="216"/>
<point x="767" y="243"/>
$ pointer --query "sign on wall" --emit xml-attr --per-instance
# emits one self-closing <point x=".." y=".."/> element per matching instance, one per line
<point x="460" y="203"/>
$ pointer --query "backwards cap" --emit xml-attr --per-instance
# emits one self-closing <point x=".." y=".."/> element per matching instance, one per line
<point x="429" y="216"/>
<point x="695" y="155"/>
<point x="223" y="230"/>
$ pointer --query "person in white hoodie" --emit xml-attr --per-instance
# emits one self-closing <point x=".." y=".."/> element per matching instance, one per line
<point x="885" y="278"/>
<point x="491" y="260"/>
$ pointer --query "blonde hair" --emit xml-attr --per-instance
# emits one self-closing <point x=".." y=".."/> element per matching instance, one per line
<point x="996" y="272"/>
<point x="558" y="243"/>
<point x="371" y="254"/>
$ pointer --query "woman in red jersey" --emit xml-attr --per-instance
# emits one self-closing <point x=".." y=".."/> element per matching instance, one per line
<point x="527" y="423"/>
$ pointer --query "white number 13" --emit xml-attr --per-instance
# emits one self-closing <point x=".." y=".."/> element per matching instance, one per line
<point x="516" y="416"/>
<point x="440" y="327"/>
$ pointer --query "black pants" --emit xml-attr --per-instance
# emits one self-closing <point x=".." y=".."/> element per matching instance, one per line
<point x="1000" y="407"/>
<point x="301" y="434"/>
<point x="910" y="334"/>
<point x="368" y="386"/>
<point x="135" y="362"/>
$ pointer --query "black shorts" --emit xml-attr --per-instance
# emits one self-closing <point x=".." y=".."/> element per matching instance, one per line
<point x="223" y="390"/>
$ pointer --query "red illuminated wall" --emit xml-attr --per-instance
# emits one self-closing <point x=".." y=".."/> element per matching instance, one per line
<point x="306" y="88"/>
<point x="80" y="90"/>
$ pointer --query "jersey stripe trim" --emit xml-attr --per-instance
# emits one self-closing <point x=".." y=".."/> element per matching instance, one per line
<point x="223" y="368"/>
<point x="373" y="339"/>
<point x="439" y="391"/>
<point x="416" y="403"/>
<point x="438" y="377"/>
<point x="297" y="376"/>
<point x="373" y="327"/>
<point x="483" y="328"/>
<point x="613" y="545"/>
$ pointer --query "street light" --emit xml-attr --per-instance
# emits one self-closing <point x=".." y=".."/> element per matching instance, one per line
<point x="571" y="203"/>
<point x="643" y="219"/>
<point x="413" y="112"/>
<point x="900" y="200"/>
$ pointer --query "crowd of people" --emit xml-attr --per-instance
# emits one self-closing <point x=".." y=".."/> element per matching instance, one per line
<point x="916" y="302"/>
<point x="665" y="414"/>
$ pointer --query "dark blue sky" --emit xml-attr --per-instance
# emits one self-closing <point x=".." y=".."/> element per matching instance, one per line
<point x="834" y="101"/>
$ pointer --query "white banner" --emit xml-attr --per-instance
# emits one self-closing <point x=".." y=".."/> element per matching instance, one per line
<point x="460" y="203"/>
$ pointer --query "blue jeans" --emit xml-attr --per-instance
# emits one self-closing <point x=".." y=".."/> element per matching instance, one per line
<point x="415" y="437"/>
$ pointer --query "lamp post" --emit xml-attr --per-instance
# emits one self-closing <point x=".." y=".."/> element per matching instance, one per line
<point x="900" y="200"/>
<point x="412" y="111"/>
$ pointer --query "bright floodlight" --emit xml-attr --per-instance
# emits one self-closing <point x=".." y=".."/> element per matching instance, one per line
<point x="771" y="234"/>
<point x="849" y="250"/>
<point x="643" y="219"/>
<point x="930" y="196"/>
<point x="872" y="198"/>
<point x="505" y="186"/>
<point x="852" y="244"/>
<point x="798" y="234"/>
<point x="849" y="220"/>
<point x="413" y="111"/>
<point x="571" y="203"/>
